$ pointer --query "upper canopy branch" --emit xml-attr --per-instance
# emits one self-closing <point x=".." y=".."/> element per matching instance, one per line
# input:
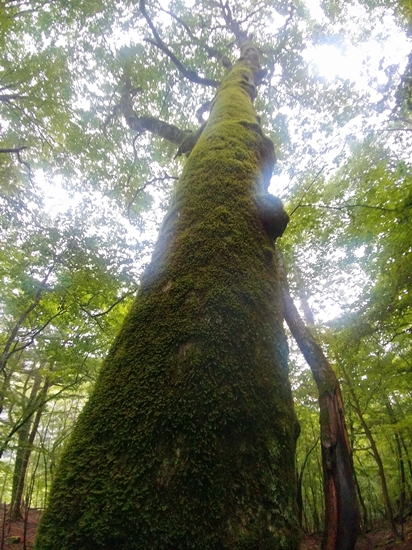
<point x="158" y="42"/>
<point x="212" y="52"/>
<point x="6" y="98"/>
<point x="17" y="151"/>
<point x="233" y="25"/>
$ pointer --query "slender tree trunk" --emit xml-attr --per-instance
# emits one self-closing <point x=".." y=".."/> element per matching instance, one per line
<point x="27" y="434"/>
<point x="408" y="460"/>
<point x="188" y="440"/>
<point x="300" y="483"/>
<point x="341" y="507"/>
<point x="362" y="504"/>
<point x="23" y="438"/>
<point x="315" y="514"/>
<point x="361" y="500"/>
<point x="375" y="452"/>
<point x="401" y="466"/>
<point x="23" y="435"/>
<point x="402" y="492"/>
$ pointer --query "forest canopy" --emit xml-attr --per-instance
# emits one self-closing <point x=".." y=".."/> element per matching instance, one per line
<point x="97" y="101"/>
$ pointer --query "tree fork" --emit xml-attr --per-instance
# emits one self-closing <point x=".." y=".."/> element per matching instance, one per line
<point x="188" y="439"/>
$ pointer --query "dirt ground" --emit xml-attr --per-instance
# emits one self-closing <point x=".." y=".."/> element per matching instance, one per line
<point x="19" y="535"/>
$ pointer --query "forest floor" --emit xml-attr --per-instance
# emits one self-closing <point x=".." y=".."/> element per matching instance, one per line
<point x="19" y="535"/>
<point x="377" y="538"/>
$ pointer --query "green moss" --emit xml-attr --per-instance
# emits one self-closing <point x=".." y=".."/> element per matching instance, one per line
<point x="188" y="439"/>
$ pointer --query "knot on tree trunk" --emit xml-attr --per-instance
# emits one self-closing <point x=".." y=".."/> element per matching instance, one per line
<point x="272" y="215"/>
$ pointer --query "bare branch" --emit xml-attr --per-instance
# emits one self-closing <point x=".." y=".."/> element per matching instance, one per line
<point x="17" y="348"/>
<point x="159" y="127"/>
<point x="37" y="404"/>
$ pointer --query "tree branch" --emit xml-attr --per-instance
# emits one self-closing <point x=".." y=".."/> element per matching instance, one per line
<point x="148" y="123"/>
<point x="33" y="335"/>
<point x="159" y="127"/>
<point x="307" y="190"/>
<point x="203" y="109"/>
<point x="117" y="302"/>
<point x="158" y="42"/>
<point x="5" y="98"/>
<point x="344" y="207"/>
<point x="25" y="417"/>
<point x="18" y="150"/>
<point x="7" y="352"/>
<point x="14" y="150"/>
<point x="233" y="25"/>
<point x="143" y="187"/>
<point x="212" y="52"/>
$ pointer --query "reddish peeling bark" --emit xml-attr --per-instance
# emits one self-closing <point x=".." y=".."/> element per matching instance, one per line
<point x="341" y="506"/>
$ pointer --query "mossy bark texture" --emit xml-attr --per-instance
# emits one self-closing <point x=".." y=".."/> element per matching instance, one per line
<point x="188" y="439"/>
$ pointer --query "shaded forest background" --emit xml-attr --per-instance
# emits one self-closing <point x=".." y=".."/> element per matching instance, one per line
<point x="85" y="177"/>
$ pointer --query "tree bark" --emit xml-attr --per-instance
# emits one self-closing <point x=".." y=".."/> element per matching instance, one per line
<point x="341" y="508"/>
<point x="188" y="440"/>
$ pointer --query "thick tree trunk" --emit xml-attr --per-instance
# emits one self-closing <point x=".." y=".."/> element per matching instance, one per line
<point x="341" y="508"/>
<point x="188" y="439"/>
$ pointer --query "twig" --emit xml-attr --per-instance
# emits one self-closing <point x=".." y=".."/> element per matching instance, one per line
<point x="307" y="190"/>
<point x="143" y="187"/>
<point x="117" y="302"/>
<point x="344" y="207"/>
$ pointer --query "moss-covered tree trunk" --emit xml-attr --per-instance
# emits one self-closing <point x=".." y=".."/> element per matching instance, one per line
<point x="188" y="440"/>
